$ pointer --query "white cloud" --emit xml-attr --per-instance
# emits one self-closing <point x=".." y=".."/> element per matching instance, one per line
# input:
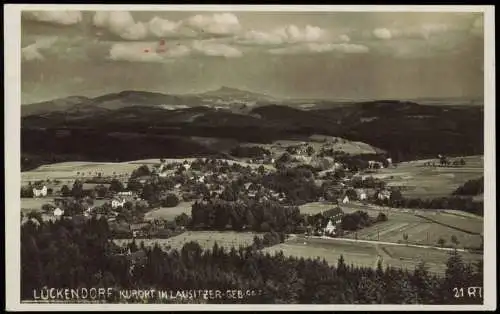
<point x="32" y="52"/>
<point x="422" y="31"/>
<point x="216" y="49"/>
<point x="121" y="23"/>
<point x="382" y="33"/>
<point x="216" y="24"/>
<point x="344" y="38"/>
<point x="145" y="52"/>
<point x="54" y="17"/>
<point x="320" y="48"/>
<point x="289" y="34"/>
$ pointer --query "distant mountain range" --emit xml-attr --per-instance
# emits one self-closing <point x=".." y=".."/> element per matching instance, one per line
<point x="236" y="100"/>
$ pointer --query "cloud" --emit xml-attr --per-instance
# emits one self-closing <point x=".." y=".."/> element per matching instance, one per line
<point x="423" y="31"/>
<point x="290" y="34"/>
<point x="344" y="38"/>
<point x="123" y="25"/>
<point x="382" y="33"/>
<point x="145" y="52"/>
<point x="320" y="48"/>
<point x="120" y="23"/>
<point x="213" y="49"/>
<point x="216" y="24"/>
<point x="54" y="17"/>
<point x="32" y="52"/>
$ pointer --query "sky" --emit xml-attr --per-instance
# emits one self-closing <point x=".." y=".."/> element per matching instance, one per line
<point x="334" y="55"/>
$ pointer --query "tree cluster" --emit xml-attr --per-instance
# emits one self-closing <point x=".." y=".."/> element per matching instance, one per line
<point x="62" y="254"/>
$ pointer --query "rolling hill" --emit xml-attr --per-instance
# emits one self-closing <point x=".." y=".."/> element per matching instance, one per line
<point x="87" y="128"/>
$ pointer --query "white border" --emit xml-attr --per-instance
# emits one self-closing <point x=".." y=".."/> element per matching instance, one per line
<point x="12" y="36"/>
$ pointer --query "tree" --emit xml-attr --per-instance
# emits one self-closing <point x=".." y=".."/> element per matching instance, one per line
<point x="441" y="242"/>
<point x="171" y="200"/>
<point x="405" y="237"/>
<point x="454" y="240"/>
<point x="77" y="190"/>
<point x="65" y="191"/>
<point x="381" y="217"/>
<point x="116" y="186"/>
<point x="26" y="191"/>
<point x="310" y="150"/>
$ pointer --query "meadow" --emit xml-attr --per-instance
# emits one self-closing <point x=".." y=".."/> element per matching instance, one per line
<point x="206" y="239"/>
<point x="169" y="213"/>
<point x="367" y="254"/>
<point x="419" y="181"/>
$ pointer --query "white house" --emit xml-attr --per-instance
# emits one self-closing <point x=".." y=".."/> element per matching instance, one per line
<point x="40" y="192"/>
<point x="384" y="195"/>
<point x="345" y="200"/>
<point x="201" y="179"/>
<point x="58" y="212"/>
<point x="178" y="186"/>
<point x="330" y="227"/>
<point x="163" y="174"/>
<point x="125" y="193"/>
<point x="115" y="203"/>
<point x="389" y="162"/>
<point x="186" y="166"/>
<point x="362" y="195"/>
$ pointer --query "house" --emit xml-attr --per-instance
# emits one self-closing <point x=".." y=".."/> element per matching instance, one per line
<point x="384" y="195"/>
<point x="389" y="162"/>
<point x="40" y="192"/>
<point x="58" y="212"/>
<point x="125" y="193"/>
<point x="345" y="200"/>
<point x="115" y="203"/>
<point x="334" y="216"/>
<point x="362" y="194"/>
<point x="186" y="166"/>
<point x="178" y="186"/>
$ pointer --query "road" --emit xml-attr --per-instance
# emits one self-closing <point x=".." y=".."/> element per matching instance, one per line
<point x="382" y="243"/>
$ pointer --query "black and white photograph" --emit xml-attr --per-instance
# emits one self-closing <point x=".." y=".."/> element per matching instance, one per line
<point x="250" y="157"/>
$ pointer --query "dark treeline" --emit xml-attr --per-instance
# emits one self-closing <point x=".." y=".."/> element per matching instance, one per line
<point x="251" y="215"/>
<point x="462" y="203"/>
<point x="85" y="258"/>
<point x="471" y="187"/>
<point x="249" y="151"/>
<point x="296" y="183"/>
<point x="396" y="128"/>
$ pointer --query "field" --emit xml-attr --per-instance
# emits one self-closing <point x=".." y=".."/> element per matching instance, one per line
<point x="29" y="204"/>
<point x="315" y="208"/>
<point x="366" y="254"/>
<point x="317" y="142"/>
<point x="428" y="182"/>
<point x="206" y="239"/>
<point x="66" y="172"/>
<point x="169" y="213"/>
<point x="422" y="227"/>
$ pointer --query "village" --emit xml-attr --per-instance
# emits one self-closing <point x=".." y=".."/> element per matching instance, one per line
<point x="300" y="175"/>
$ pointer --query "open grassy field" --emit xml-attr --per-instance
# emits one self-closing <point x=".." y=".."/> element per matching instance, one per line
<point x="169" y="213"/>
<point x="66" y="172"/>
<point x="29" y="204"/>
<point x="367" y="254"/>
<point x="206" y="239"/>
<point x="428" y="182"/>
<point x="317" y="142"/>
<point x="423" y="227"/>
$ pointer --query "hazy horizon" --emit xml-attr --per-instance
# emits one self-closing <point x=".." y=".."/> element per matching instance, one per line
<point x="296" y="55"/>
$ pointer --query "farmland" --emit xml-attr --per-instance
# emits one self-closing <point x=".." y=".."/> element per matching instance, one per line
<point x="169" y="213"/>
<point x="206" y="239"/>
<point x="427" y="182"/>
<point x="422" y="227"/>
<point x="366" y="254"/>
